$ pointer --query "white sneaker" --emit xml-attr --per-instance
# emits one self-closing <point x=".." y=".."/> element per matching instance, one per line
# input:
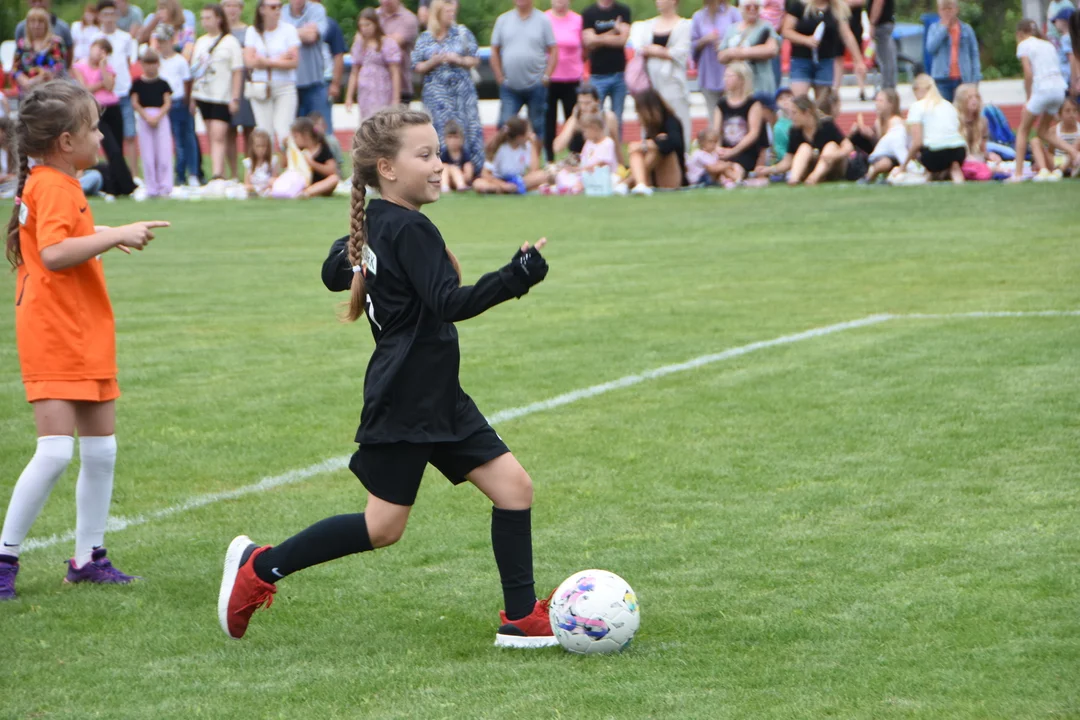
<point x="642" y="190"/>
<point x="193" y="181"/>
<point x="620" y="189"/>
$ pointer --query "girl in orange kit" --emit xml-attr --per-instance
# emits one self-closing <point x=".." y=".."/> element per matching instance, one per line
<point x="64" y="326"/>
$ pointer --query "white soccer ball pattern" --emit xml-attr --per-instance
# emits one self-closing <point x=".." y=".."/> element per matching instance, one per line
<point x="594" y="611"/>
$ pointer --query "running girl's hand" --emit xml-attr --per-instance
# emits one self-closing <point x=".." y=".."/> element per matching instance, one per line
<point x="137" y="235"/>
<point x="529" y="265"/>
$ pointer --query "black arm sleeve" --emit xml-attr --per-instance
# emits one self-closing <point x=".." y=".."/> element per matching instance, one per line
<point x="336" y="270"/>
<point x="422" y="254"/>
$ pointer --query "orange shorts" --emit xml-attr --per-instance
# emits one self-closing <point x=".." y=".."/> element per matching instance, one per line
<point x="78" y="390"/>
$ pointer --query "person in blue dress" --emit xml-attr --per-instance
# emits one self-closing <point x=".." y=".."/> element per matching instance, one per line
<point x="445" y="54"/>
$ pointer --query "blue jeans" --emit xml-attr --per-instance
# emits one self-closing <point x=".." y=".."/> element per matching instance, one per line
<point x="314" y="97"/>
<point x="947" y="88"/>
<point x="183" y="132"/>
<point x="511" y="102"/>
<point x="91" y="182"/>
<point x="613" y="86"/>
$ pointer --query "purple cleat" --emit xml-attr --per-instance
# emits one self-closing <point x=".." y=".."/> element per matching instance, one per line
<point x="9" y="568"/>
<point x="99" y="571"/>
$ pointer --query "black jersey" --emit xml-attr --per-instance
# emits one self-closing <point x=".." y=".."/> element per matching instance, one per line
<point x="411" y="389"/>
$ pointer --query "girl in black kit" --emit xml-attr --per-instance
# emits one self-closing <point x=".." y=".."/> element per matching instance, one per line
<point x="408" y="283"/>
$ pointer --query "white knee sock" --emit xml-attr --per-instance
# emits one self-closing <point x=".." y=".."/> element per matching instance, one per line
<point x="32" y="490"/>
<point x="93" y="493"/>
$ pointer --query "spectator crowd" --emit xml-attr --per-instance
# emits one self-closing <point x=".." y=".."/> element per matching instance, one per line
<point x="265" y="94"/>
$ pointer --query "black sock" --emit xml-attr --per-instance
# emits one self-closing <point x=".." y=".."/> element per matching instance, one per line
<point x="511" y="539"/>
<point x="326" y="540"/>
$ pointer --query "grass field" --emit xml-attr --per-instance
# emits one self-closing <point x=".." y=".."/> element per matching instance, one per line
<point x="877" y="522"/>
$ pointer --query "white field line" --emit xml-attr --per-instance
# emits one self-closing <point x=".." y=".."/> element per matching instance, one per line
<point x="116" y="523"/>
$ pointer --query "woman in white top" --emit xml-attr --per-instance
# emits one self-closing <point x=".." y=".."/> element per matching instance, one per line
<point x="934" y="132"/>
<point x="665" y="41"/>
<point x="1046" y="94"/>
<point x="83" y="32"/>
<point x="272" y="52"/>
<point x="217" y="70"/>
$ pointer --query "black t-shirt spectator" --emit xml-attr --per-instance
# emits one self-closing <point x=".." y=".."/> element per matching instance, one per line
<point x="670" y="140"/>
<point x="826" y="133"/>
<point x="151" y="93"/>
<point x="447" y="159"/>
<point x="605" y="60"/>
<point x="806" y="23"/>
<point x="324" y="155"/>
<point x="888" y="11"/>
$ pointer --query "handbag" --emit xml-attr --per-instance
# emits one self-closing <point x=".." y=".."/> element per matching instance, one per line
<point x="258" y="90"/>
<point x="199" y="69"/>
<point x="636" y="75"/>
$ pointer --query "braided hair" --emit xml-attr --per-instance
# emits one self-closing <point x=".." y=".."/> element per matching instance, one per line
<point x="377" y="137"/>
<point x="45" y="113"/>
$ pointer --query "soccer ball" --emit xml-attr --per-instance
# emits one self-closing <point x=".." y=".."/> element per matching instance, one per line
<point x="594" y="611"/>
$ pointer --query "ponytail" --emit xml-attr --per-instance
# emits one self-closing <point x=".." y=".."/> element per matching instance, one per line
<point x="12" y="249"/>
<point x="357" y="238"/>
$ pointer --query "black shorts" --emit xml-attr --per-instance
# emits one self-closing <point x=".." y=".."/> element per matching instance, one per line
<point x="936" y="161"/>
<point x="857" y="165"/>
<point x="214" y="111"/>
<point x="393" y="471"/>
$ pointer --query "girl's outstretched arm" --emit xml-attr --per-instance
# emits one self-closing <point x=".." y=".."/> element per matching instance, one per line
<point x="422" y="254"/>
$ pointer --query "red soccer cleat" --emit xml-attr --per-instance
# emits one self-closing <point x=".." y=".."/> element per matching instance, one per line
<point x="531" y="631"/>
<point x="242" y="592"/>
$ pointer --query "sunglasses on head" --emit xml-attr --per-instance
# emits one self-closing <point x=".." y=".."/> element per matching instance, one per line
<point x="275" y="6"/>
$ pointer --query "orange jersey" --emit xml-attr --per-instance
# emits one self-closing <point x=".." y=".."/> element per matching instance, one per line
<point x="63" y="319"/>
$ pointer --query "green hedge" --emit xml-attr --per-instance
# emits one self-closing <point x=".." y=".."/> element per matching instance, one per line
<point x="993" y="20"/>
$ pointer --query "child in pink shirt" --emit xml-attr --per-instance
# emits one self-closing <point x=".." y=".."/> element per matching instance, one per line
<point x="96" y="75"/>
<point x="703" y="165"/>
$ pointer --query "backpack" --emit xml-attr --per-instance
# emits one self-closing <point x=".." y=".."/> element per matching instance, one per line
<point x="1000" y="132"/>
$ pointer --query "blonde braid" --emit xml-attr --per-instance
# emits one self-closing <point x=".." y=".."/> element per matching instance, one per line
<point x="357" y="238"/>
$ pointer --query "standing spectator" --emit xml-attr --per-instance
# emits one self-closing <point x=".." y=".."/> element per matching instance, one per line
<point x="818" y="31"/>
<point x="1046" y="91"/>
<point x="272" y="52"/>
<point x="124" y="53"/>
<point x="567" y="26"/>
<point x="151" y="97"/>
<point x="1053" y="33"/>
<point x="399" y="23"/>
<point x="170" y="14"/>
<point x="882" y="17"/>
<point x="1063" y="43"/>
<point x="444" y="55"/>
<point x="217" y="71"/>
<point x="39" y="54"/>
<point x="243" y="118"/>
<point x="309" y="19"/>
<point x="774" y="12"/>
<point x="333" y="50"/>
<point x="174" y="69"/>
<point x="59" y="28"/>
<point x="605" y="31"/>
<point x="97" y="76"/>
<point x="756" y="43"/>
<point x="375" y="79"/>
<point x="83" y="32"/>
<point x="665" y="41"/>
<point x="523" y="57"/>
<point x="129" y="18"/>
<point x="954" y="50"/>
<point x="856" y="8"/>
<point x="708" y="27"/>
<point x="934" y="132"/>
